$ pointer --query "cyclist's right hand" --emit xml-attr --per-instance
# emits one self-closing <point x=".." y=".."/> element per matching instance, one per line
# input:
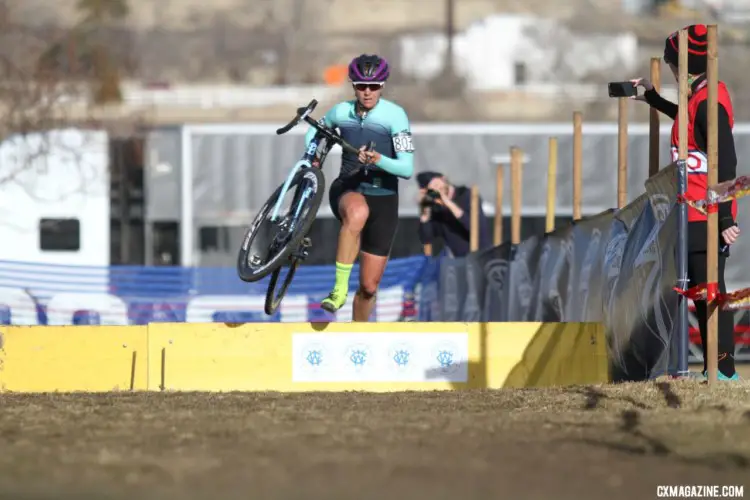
<point x="646" y="84"/>
<point x="363" y="157"/>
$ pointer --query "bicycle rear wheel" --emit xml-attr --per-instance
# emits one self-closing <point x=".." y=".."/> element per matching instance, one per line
<point x="274" y="296"/>
<point x="268" y="244"/>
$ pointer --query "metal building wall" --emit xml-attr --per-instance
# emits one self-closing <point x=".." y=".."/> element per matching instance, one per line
<point x="233" y="168"/>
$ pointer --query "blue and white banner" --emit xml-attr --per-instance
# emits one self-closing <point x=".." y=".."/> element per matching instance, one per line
<point x="43" y="294"/>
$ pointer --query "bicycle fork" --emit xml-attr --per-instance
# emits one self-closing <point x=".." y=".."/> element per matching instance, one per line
<point x="285" y="188"/>
<point x="301" y="164"/>
<point x="289" y="225"/>
<point x="300" y="203"/>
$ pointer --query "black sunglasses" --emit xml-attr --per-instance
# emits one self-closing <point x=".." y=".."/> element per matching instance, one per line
<point x="364" y="86"/>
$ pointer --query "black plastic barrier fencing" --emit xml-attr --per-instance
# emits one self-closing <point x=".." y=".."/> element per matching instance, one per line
<point x="618" y="268"/>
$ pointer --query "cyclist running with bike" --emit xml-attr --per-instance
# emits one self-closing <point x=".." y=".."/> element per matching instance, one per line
<point x="364" y="197"/>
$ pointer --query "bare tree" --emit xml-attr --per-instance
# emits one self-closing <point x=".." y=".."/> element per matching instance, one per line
<point x="32" y="98"/>
<point x="100" y="17"/>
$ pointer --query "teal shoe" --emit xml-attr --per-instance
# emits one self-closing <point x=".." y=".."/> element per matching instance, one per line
<point x="724" y="378"/>
<point x="733" y="378"/>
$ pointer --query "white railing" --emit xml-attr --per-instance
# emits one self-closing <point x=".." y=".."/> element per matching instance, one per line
<point x="207" y="96"/>
<point x="586" y="92"/>
<point x="222" y="96"/>
<point x="228" y="96"/>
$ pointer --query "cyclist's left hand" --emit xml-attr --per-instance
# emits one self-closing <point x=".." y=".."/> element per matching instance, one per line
<point x="372" y="157"/>
<point x="368" y="157"/>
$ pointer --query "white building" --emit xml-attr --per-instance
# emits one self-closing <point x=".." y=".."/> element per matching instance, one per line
<point x="508" y="52"/>
<point x="54" y="198"/>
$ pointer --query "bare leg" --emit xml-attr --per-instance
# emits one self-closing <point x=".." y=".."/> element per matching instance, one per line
<point x="371" y="269"/>
<point x="354" y="213"/>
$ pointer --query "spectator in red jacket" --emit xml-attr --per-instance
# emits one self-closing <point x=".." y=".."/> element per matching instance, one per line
<point x="697" y="176"/>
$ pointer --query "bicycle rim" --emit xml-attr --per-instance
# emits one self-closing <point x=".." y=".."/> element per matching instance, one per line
<point x="273" y="296"/>
<point x="257" y="258"/>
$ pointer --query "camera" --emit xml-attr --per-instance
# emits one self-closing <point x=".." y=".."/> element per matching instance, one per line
<point x="430" y="197"/>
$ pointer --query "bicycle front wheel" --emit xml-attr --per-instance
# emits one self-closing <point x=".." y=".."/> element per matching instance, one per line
<point x="269" y="242"/>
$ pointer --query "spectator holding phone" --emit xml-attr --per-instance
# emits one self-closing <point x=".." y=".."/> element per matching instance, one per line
<point x="698" y="176"/>
<point x="445" y="212"/>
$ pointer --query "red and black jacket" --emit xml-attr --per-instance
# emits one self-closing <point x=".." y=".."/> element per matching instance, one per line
<point x="697" y="151"/>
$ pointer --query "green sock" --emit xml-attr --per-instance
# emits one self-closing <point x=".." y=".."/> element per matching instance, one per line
<point x="341" y="287"/>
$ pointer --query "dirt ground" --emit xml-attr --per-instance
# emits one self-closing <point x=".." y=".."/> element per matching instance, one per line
<point x="608" y="442"/>
<point x="743" y="369"/>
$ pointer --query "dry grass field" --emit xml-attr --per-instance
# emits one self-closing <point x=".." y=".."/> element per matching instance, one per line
<point x="613" y="442"/>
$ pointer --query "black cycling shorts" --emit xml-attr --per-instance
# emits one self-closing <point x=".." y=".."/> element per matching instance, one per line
<point x="380" y="229"/>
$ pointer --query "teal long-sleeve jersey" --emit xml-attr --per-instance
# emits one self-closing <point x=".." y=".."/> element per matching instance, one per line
<point x="388" y="125"/>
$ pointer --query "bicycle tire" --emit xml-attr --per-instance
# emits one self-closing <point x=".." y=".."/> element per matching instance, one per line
<point x="273" y="300"/>
<point x="251" y="274"/>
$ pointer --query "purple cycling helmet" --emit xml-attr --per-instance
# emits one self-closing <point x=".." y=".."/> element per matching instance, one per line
<point x="369" y="68"/>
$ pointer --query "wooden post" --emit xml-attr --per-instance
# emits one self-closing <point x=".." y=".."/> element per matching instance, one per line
<point x="499" y="181"/>
<point x="653" y="122"/>
<point x="516" y="159"/>
<point x="577" y="163"/>
<point x="683" y="345"/>
<point x="551" y="184"/>
<point x="622" y="152"/>
<point x="712" y="350"/>
<point x="474" y="221"/>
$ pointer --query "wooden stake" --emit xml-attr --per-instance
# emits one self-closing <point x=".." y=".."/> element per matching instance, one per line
<point x="499" y="181"/>
<point x="712" y="350"/>
<point x="622" y="152"/>
<point x="551" y="184"/>
<point x="474" y="229"/>
<point x="516" y="158"/>
<point x="577" y="163"/>
<point x="653" y="122"/>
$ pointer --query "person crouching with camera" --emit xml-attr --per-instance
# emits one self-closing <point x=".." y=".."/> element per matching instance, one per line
<point x="445" y="213"/>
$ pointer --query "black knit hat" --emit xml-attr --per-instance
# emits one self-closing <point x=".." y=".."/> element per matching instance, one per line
<point x="697" y="49"/>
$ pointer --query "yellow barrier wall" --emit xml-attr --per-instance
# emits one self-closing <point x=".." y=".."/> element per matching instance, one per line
<point x="73" y="358"/>
<point x="301" y="356"/>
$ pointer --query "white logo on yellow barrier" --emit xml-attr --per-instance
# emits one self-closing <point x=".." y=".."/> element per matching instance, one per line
<point x="380" y="357"/>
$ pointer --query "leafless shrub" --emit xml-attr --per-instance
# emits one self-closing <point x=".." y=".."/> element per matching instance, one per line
<point x="33" y="98"/>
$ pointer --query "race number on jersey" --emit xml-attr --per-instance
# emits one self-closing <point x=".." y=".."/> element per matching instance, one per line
<point x="402" y="142"/>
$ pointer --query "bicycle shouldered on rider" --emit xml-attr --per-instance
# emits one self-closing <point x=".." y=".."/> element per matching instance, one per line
<point x="698" y="175"/>
<point x="364" y="197"/>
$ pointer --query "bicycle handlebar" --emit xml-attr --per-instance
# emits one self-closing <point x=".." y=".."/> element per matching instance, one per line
<point x="304" y="114"/>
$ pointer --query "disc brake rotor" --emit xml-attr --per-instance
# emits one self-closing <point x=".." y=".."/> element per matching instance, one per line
<point x="268" y="245"/>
